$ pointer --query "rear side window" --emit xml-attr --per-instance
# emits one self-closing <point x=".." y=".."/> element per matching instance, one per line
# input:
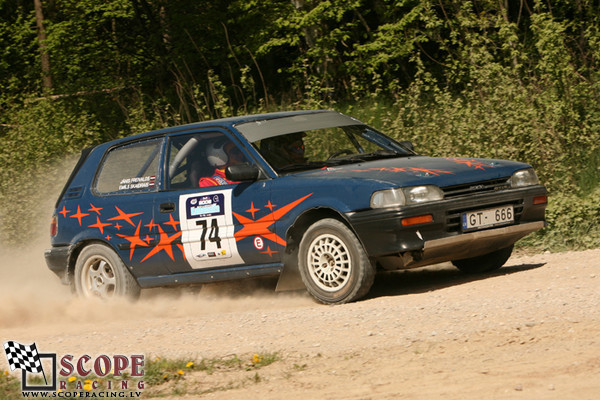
<point x="130" y="168"/>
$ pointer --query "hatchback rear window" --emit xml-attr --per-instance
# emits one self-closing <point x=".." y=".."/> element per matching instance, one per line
<point x="130" y="168"/>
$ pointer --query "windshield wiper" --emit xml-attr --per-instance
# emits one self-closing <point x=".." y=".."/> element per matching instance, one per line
<point x="379" y="154"/>
<point x="302" y="166"/>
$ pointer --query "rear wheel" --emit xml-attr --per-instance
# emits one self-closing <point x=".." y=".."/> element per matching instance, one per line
<point x="486" y="262"/>
<point x="99" y="272"/>
<point x="333" y="264"/>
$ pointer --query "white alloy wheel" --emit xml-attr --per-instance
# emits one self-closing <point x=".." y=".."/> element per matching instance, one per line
<point x="333" y="263"/>
<point x="98" y="278"/>
<point x="329" y="263"/>
<point x="99" y="272"/>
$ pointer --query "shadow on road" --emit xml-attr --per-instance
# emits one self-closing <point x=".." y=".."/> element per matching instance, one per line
<point x="387" y="283"/>
<point x="426" y="279"/>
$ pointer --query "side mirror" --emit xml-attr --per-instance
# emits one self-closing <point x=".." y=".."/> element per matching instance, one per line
<point x="408" y="144"/>
<point x="242" y="172"/>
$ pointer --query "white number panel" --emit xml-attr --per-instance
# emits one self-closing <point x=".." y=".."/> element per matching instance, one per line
<point x="207" y="229"/>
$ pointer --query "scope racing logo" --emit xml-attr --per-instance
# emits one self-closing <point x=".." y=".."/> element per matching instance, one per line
<point x="104" y="376"/>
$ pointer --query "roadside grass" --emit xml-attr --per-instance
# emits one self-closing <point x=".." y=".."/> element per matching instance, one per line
<point x="178" y="377"/>
<point x="10" y="387"/>
<point x="165" y="377"/>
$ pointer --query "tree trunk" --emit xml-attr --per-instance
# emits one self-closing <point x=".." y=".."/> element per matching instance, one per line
<point x="39" y="18"/>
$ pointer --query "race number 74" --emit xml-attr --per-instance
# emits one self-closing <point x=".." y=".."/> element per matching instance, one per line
<point x="213" y="235"/>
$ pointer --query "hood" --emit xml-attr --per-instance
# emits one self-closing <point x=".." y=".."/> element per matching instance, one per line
<point x="421" y="170"/>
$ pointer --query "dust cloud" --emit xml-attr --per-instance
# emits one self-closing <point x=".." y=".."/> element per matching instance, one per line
<point x="31" y="295"/>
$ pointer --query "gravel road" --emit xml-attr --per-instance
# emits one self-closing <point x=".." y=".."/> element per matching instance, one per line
<point x="528" y="331"/>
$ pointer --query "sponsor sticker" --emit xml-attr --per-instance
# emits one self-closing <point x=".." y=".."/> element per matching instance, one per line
<point x="259" y="243"/>
<point x="138" y="182"/>
<point x="205" y="206"/>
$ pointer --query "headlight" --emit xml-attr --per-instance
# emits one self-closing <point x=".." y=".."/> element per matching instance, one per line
<point x="403" y="196"/>
<point x="388" y="198"/>
<point x="524" y="177"/>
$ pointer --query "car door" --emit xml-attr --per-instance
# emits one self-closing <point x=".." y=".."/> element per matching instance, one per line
<point x="120" y="212"/>
<point x="223" y="225"/>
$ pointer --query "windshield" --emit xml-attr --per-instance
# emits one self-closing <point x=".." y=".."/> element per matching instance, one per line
<point x="326" y="141"/>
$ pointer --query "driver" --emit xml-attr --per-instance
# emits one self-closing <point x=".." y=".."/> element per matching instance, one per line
<point x="220" y="154"/>
<point x="284" y="150"/>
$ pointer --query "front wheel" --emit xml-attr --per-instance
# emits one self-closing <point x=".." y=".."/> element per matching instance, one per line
<point x="484" y="263"/>
<point x="99" y="272"/>
<point x="333" y="264"/>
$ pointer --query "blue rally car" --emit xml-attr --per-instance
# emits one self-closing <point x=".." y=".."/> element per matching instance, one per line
<point x="313" y="195"/>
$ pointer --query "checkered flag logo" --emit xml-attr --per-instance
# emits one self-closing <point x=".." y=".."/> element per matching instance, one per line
<point x="23" y="357"/>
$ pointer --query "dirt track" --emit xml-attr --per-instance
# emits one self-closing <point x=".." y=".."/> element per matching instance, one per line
<point x="529" y="331"/>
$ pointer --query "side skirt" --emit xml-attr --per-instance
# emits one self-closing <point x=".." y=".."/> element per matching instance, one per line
<point x="212" y="275"/>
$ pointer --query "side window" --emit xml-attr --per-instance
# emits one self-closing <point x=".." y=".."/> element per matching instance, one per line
<point x="130" y="168"/>
<point x="201" y="157"/>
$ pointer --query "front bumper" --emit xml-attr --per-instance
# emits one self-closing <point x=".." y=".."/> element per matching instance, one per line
<point x="385" y="238"/>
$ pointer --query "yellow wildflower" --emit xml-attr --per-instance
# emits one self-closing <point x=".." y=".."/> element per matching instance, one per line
<point x="87" y="386"/>
<point x="180" y="372"/>
<point x="190" y="364"/>
<point x="88" y="381"/>
<point x="256" y="359"/>
<point x="72" y="379"/>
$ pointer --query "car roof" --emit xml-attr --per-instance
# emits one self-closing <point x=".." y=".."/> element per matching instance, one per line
<point x="222" y="122"/>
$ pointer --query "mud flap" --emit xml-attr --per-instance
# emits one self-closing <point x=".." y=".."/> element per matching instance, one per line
<point x="290" y="278"/>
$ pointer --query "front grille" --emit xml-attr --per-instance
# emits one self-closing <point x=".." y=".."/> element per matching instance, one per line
<point x="453" y="217"/>
<point x="476" y="187"/>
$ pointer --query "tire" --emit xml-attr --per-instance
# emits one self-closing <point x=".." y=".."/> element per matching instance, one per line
<point x="99" y="272"/>
<point x="333" y="264"/>
<point x="485" y="263"/>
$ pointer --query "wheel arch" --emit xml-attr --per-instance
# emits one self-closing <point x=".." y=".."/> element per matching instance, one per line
<point x="77" y="249"/>
<point x="306" y="219"/>
<point x="347" y="273"/>
<point x="290" y="278"/>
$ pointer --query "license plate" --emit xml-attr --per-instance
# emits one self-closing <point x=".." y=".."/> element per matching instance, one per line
<point x="480" y="219"/>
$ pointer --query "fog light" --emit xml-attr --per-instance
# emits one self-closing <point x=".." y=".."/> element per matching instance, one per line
<point x="421" y="219"/>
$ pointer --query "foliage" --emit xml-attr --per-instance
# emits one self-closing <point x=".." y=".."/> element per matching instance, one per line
<point x="517" y="80"/>
<point x="572" y="223"/>
<point x="10" y="387"/>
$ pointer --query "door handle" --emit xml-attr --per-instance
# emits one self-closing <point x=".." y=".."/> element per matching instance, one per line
<point x="167" y="207"/>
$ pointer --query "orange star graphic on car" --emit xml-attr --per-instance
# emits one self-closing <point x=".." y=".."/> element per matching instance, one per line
<point x="125" y="217"/>
<point x="260" y="227"/>
<point x="172" y="222"/>
<point x="470" y="163"/>
<point x="64" y="212"/>
<point x="269" y="251"/>
<point x="436" y="172"/>
<point x="396" y="169"/>
<point x="165" y="243"/>
<point x="99" y="225"/>
<point x="134" y="240"/>
<point x="79" y="215"/>
<point x="151" y="225"/>
<point x="252" y="209"/>
<point x="94" y="209"/>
